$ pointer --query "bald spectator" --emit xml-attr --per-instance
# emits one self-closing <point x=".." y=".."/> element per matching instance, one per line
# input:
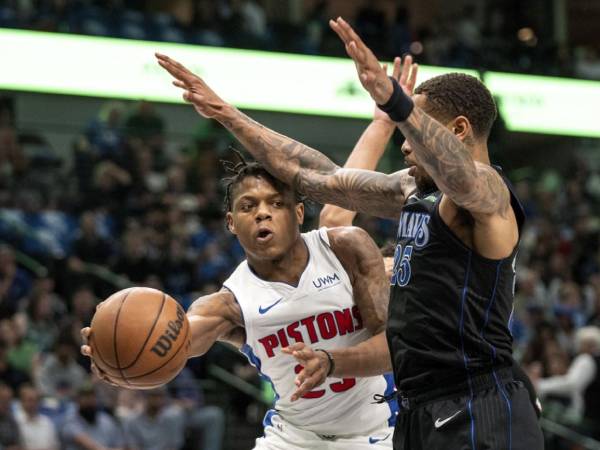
<point x="582" y="380"/>
<point x="36" y="430"/>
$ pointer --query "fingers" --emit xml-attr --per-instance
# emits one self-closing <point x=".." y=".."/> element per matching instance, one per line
<point x="306" y="381"/>
<point x="176" y="69"/>
<point x="397" y="68"/>
<point x="406" y="66"/>
<point x="294" y="348"/>
<point x="412" y="80"/>
<point x="86" y="350"/>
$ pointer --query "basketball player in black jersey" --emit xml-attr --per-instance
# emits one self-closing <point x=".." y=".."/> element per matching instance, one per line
<point x="452" y="283"/>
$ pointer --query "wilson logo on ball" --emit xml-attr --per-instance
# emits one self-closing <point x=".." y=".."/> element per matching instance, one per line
<point x="165" y="342"/>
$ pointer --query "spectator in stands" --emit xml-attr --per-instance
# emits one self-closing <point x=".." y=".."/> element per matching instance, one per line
<point x="88" y="428"/>
<point x="41" y="320"/>
<point x="15" y="282"/>
<point x="37" y="431"/>
<point x="582" y="381"/>
<point x="159" y="427"/>
<point x="9" y="431"/>
<point x="105" y="132"/>
<point x="134" y="262"/>
<point x="203" y="421"/>
<point x="145" y="124"/>
<point x="9" y="375"/>
<point x="60" y="376"/>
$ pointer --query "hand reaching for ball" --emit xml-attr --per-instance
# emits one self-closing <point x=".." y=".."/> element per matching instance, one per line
<point x="139" y="338"/>
<point x="86" y="350"/>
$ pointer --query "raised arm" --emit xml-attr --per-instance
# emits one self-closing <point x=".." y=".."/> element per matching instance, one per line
<point x="311" y="172"/>
<point x="372" y="143"/>
<point x="362" y="260"/>
<point x="471" y="185"/>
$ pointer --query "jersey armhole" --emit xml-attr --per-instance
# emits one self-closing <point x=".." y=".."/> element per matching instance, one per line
<point x="324" y="236"/>
<point x="241" y="312"/>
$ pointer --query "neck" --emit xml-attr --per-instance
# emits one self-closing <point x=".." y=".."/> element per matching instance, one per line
<point x="287" y="269"/>
<point x="481" y="154"/>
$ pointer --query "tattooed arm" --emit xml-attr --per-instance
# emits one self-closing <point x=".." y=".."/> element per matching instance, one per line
<point x="372" y="144"/>
<point x="311" y="172"/>
<point x="471" y="185"/>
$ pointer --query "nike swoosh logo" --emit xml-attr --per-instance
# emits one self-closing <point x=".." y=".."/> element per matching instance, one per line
<point x="440" y="423"/>
<point x="376" y="440"/>
<point x="262" y="310"/>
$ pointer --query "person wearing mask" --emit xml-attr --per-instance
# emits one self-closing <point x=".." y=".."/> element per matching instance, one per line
<point x="158" y="427"/>
<point x="88" y="428"/>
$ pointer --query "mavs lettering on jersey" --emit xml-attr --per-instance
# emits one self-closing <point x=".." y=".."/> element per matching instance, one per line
<point x="413" y="231"/>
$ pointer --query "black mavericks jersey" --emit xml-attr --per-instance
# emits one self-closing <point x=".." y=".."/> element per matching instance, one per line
<point x="449" y="307"/>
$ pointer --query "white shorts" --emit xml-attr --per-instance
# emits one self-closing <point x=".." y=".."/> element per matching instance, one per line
<point x="282" y="435"/>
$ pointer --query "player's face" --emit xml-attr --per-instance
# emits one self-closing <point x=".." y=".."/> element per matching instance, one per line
<point x="265" y="221"/>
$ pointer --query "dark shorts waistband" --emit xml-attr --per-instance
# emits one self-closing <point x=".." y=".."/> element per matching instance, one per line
<point x="472" y="383"/>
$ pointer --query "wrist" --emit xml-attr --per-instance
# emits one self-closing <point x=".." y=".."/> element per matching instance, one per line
<point x="329" y="359"/>
<point x="399" y="106"/>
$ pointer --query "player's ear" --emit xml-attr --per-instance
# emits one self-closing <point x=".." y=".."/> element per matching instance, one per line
<point x="461" y="127"/>
<point x="300" y="212"/>
<point x="230" y="225"/>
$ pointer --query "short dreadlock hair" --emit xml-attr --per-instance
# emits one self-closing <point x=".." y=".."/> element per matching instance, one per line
<point x="243" y="169"/>
<point x="457" y="94"/>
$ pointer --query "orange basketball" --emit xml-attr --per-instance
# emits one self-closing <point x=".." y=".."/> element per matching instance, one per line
<point x="140" y="338"/>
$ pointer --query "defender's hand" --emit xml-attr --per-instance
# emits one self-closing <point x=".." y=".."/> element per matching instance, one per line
<point x="405" y="73"/>
<point x="196" y="91"/>
<point x="371" y="74"/>
<point x="315" y="367"/>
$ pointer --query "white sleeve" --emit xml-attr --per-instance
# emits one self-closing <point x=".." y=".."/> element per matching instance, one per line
<point x="581" y="373"/>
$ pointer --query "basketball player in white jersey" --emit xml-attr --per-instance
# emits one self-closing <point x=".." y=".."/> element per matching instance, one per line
<point x="325" y="288"/>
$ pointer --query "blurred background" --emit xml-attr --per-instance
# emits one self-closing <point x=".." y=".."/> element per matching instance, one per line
<point x="98" y="194"/>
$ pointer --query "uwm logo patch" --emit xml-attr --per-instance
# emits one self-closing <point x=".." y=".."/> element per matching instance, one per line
<point x="326" y="281"/>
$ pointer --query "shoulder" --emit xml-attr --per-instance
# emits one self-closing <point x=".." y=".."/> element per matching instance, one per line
<point x="222" y="303"/>
<point x="341" y="237"/>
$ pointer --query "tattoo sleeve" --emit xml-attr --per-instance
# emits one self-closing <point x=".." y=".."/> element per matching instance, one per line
<point x="476" y="187"/>
<point x="315" y="175"/>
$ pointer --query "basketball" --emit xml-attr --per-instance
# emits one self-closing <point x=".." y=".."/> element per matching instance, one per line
<point x="140" y="338"/>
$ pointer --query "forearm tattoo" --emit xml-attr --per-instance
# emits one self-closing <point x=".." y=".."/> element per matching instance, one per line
<point x="476" y="187"/>
<point x="315" y="175"/>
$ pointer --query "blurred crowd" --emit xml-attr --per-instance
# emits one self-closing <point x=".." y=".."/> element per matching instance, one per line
<point x="123" y="210"/>
<point x="492" y="35"/>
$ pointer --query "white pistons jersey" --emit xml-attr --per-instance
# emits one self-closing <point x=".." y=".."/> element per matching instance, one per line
<point x="320" y="312"/>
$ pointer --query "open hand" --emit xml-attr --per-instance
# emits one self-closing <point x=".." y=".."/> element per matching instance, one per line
<point x="195" y="90"/>
<point x="405" y="73"/>
<point x="370" y="73"/>
<point x="315" y="367"/>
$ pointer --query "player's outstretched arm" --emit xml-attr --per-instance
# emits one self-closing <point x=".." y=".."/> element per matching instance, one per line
<point x="212" y="317"/>
<point x="372" y="143"/>
<point x="311" y="172"/>
<point x="473" y="186"/>
<point x="362" y="260"/>
<point x="215" y="317"/>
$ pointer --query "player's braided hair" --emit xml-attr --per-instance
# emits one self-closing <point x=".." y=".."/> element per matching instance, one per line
<point x="241" y="169"/>
<point x="457" y="94"/>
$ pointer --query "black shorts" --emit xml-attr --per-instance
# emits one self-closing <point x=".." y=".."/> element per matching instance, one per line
<point x="498" y="415"/>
